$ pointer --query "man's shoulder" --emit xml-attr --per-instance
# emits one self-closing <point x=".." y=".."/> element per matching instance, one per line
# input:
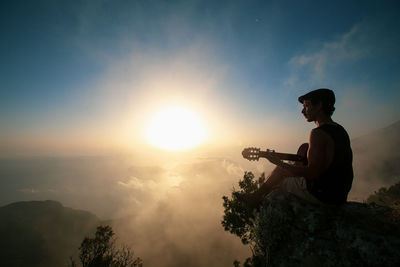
<point x="329" y="127"/>
<point x="319" y="135"/>
<point x="334" y="131"/>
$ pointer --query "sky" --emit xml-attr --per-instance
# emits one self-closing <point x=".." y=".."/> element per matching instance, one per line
<point x="84" y="77"/>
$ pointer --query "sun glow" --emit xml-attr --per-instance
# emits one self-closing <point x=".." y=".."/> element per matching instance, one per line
<point x="175" y="128"/>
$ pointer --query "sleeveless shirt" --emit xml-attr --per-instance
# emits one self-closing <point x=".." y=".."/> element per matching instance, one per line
<point x="334" y="184"/>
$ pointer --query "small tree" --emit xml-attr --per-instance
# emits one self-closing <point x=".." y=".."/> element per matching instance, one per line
<point x="388" y="197"/>
<point x="101" y="251"/>
<point x="238" y="218"/>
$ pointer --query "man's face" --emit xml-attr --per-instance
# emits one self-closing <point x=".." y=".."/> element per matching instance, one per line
<point x="309" y="111"/>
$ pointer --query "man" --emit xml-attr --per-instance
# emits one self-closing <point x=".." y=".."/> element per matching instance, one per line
<point x="328" y="176"/>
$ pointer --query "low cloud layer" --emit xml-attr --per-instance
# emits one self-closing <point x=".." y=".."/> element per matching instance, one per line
<point x="170" y="214"/>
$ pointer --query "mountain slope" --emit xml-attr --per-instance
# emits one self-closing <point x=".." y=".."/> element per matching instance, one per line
<point x="42" y="233"/>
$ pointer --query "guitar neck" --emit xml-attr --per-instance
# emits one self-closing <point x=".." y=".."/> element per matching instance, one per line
<point x="283" y="156"/>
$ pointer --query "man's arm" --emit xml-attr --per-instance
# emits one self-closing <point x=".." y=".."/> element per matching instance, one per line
<point x="319" y="157"/>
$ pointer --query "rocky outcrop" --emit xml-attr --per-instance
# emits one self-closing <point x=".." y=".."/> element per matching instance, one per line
<point x="289" y="231"/>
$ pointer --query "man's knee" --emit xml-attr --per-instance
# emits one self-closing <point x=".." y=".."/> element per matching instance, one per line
<point x="280" y="172"/>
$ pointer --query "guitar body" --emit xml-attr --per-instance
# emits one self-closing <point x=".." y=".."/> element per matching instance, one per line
<point x="300" y="158"/>
<point x="302" y="152"/>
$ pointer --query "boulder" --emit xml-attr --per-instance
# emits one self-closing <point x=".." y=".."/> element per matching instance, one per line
<point x="289" y="231"/>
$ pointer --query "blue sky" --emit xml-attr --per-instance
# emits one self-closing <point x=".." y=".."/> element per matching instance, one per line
<point x="90" y="72"/>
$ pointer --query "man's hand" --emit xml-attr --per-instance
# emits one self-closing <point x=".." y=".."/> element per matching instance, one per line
<point x="273" y="159"/>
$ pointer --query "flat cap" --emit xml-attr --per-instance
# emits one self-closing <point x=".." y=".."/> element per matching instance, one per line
<point x="323" y="94"/>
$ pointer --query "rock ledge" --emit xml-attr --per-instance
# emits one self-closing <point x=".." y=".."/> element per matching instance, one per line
<point x="289" y="231"/>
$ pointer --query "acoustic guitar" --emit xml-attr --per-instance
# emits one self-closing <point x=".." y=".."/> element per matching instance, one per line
<point x="252" y="153"/>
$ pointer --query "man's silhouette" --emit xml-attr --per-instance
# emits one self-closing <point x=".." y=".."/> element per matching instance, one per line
<point x="328" y="176"/>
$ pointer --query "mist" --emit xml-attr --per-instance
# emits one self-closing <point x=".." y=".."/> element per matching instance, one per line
<point x="169" y="209"/>
<point x="375" y="161"/>
<point x="168" y="213"/>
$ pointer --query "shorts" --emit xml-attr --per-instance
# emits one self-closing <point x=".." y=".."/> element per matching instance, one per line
<point x="298" y="187"/>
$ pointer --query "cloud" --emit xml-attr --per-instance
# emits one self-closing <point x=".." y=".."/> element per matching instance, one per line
<point x="232" y="168"/>
<point x="137" y="184"/>
<point x="182" y="227"/>
<point x="315" y="67"/>
<point x="28" y="190"/>
<point x="356" y="66"/>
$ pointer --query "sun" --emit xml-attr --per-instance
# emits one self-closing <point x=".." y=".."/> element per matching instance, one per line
<point x="175" y="128"/>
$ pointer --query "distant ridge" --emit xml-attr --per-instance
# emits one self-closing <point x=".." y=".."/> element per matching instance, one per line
<point x="376" y="160"/>
<point x="42" y="233"/>
<point x="389" y="133"/>
<point x="35" y="207"/>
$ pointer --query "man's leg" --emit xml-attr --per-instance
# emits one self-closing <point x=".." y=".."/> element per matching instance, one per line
<point x="298" y="187"/>
<point x="275" y="178"/>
